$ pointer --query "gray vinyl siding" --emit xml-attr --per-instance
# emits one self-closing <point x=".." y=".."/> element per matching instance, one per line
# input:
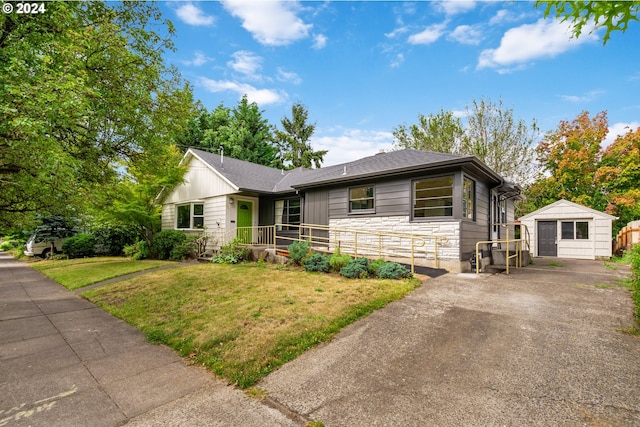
<point x="267" y="212"/>
<point x="391" y="198"/>
<point x="472" y="232"/>
<point x="316" y="207"/>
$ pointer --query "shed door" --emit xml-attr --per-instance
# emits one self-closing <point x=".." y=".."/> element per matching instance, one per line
<point x="547" y="238"/>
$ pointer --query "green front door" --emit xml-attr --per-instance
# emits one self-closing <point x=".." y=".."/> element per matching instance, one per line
<point x="245" y="219"/>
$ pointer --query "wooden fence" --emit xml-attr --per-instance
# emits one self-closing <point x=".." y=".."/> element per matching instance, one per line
<point x="627" y="237"/>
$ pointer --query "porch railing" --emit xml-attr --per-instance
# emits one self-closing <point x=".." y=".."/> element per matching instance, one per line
<point x="521" y="244"/>
<point x="356" y="242"/>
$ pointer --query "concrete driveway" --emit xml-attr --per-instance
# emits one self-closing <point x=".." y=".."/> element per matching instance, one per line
<point x="542" y="346"/>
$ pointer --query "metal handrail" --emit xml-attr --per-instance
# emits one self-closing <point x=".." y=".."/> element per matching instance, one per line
<point x="358" y="242"/>
<point x="518" y="245"/>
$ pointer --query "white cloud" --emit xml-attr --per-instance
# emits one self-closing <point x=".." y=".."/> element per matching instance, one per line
<point x="346" y="145"/>
<point x="246" y="62"/>
<point x="619" y="129"/>
<point x="466" y="34"/>
<point x="288" y="76"/>
<point x="587" y="97"/>
<point x="270" y="22"/>
<point x="455" y="7"/>
<point x="193" y="15"/>
<point x="397" y="61"/>
<point x="428" y="35"/>
<point x="319" y="41"/>
<point x="259" y="96"/>
<point x="520" y="45"/>
<point x="198" y="60"/>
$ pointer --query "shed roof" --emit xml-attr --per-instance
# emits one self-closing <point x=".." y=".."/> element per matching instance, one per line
<point x="567" y="203"/>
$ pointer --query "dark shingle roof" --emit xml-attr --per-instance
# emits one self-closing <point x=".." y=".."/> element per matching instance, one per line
<point x="253" y="177"/>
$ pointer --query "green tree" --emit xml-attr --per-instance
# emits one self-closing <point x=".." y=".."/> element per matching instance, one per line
<point x="492" y="134"/>
<point x="84" y="90"/>
<point x="293" y="141"/>
<point x="592" y="15"/>
<point x="441" y="133"/>
<point x="249" y="135"/>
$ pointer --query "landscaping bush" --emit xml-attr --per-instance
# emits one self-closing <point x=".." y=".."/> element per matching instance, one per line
<point x="338" y="261"/>
<point x="186" y="249"/>
<point x="297" y="251"/>
<point x="137" y="251"/>
<point x="356" y="269"/>
<point x="317" y="262"/>
<point x="6" y="246"/>
<point x="79" y="246"/>
<point x="635" y="278"/>
<point x="393" y="270"/>
<point x="232" y="253"/>
<point x="111" y="239"/>
<point x="374" y="265"/>
<point x="164" y="242"/>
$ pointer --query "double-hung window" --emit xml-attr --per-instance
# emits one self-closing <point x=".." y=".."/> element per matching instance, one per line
<point x="433" y="197"/>
<point x="575" y="230"/>
<point x="361" y="199"/>
<point x="190" y="215"/>
<point x="287" y="212"/>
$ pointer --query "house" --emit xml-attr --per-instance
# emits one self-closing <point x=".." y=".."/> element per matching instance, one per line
<point x="405" y="191"/>
<point x="565" y="229"/>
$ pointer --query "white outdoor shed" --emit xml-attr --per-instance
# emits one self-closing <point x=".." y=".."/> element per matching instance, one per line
<point x="565" y="229"/>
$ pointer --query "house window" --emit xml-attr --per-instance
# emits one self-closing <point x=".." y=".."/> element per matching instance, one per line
<point x="190" y="216"/>
<point x="287" y="212"/>
<point x="361" y="199"/>
<point x="578" y="230"/>
<point x="468" y="198"/>
<point x="433" y="197"/>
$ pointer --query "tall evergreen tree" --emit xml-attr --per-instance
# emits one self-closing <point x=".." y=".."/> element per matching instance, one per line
<point x="293" y="141"/>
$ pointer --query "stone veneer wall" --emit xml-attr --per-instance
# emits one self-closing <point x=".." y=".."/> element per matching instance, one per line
<point x="448" y="253"/>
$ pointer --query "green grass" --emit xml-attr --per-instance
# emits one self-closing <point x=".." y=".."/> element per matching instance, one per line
<point x="244" y="321"/>
<point x="555" y="264"/>
<point x="78" y="273"/>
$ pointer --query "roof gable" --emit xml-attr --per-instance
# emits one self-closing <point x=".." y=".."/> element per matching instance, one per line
<point x="567" y="203"/>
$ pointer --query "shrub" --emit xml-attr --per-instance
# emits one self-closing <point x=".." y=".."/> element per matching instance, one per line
<point x="5" y="246"/>
<point x="356" y="269"/>
<point x="298" y="250"/>
<point x="374" y="265"/>
<point x="137" y="251"/>
<point x="79" y="246"/>
<point x="338" y="260"/>
<point x="393" y="270"/>
<point x="111" y="239"/>
<point x="231" y="253"/>
<point x="164" y="242"/>
<point x="317" y="262"/>
<point x="635" y="278"/>
<point x="186" y="249"/>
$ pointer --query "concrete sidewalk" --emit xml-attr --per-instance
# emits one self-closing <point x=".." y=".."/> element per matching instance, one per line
<point x="65" y="362"/>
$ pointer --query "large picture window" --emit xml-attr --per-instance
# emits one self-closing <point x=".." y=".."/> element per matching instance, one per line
<point x="433" y="197"/>
<point x="468" y="199"/>
<point x="578" y="230"/>
<point x="361" y="199"/>
<point x="190" y="216"/>
<point x="287" y="212"/>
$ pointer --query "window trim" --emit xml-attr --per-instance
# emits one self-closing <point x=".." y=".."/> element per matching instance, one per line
<point x="192" y="215"/>
<point x="452" y="197"/>
<point x="372" y="198"/>
<point x="574" y="230"/>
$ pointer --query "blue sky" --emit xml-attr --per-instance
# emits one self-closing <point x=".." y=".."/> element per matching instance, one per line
<point x="364" y="67"/>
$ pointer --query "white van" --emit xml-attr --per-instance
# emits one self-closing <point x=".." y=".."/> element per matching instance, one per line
<point x="40" y="246"/>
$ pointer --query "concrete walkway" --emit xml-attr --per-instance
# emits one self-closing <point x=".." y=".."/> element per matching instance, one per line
<point x="65" y="362"/>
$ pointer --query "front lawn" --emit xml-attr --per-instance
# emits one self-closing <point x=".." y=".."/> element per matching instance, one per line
<point x="243" y="321"/>
<point x="78" y="273"/>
